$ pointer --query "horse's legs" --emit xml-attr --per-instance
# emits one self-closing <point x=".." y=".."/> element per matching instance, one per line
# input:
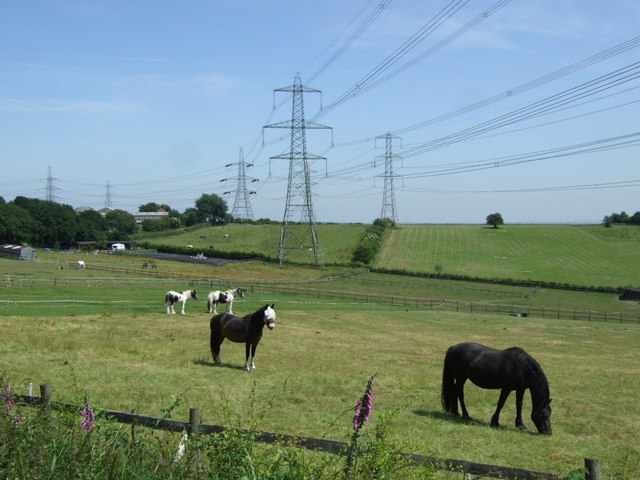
<point x="519" y="397"/>
<point x="250" y="357"/>
<point x="215" y="349"/>
<point x="230" y="307"/>
<point x="504" y="394"/>
<point x="182" y="310"/>
<point x="253" y="356"/>
<point x="460" y="394"/>
<point x="247" y="351"/>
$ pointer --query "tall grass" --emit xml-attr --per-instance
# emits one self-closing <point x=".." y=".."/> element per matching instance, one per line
<point x="43" y="442"/>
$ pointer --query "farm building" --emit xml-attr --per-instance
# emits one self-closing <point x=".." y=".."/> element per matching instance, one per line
<point x="17" y="251"/>
<point x="141" y="216"/>
<point x="631" y="293"/>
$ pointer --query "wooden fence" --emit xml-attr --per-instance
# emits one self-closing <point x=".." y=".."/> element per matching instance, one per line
<point x="194" y="427"/>
<point x="286" y="288"/>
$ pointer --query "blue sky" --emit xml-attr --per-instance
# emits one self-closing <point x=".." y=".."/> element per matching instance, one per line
<point x="530" y="109"/>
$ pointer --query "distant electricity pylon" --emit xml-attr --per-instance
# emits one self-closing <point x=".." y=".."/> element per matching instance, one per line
<point x="108" y="201"/>
<point x="389" y="196"/>
<point x="241" y="205"/>
<point x="298" y="230"/>
<point x="50" y="189"/>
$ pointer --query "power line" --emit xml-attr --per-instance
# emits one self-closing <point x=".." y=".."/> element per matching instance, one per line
<point x="542" y="107"/>
<point x="561" y="188"/>
<point x="352" y="38"/>
<point x="369" y="80"/>
<point x="604" y="144"/>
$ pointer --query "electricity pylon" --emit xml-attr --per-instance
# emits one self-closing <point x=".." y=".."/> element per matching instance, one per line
<point x="50" y="189"/>
<point x="388" y="195"/>
<point x="241" y="205"/>
<point x="108" y="200"/>
<point x="298" y="230"/>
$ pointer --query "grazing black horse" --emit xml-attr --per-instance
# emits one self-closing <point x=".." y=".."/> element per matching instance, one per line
<point x="247" y="329"/>
<point x="510" y="369"/>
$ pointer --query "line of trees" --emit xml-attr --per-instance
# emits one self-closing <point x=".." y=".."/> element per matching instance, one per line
<point x="43" y="223"/>
<point x="621" y="217"/>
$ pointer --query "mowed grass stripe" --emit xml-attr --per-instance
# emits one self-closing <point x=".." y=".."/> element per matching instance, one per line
<point x="556" y="253"/>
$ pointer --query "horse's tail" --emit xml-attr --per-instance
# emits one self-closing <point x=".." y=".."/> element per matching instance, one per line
<point x="448" y="396"/>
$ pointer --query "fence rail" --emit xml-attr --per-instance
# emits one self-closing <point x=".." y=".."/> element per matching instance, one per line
<point x="342" y="296"/>
<point x="194" y="427"/>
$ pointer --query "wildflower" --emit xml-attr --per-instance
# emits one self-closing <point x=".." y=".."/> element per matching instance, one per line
<point x="363" y="407"/>
<point x="16" y="420"/>
<point x="88" y="417"/>
<point x="8" y="397"/>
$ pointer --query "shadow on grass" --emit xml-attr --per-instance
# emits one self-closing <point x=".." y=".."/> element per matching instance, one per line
<point x="439" y="415"/>
<point x="207" y="363"/>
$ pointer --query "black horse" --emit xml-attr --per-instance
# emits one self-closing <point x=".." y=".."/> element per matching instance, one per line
<point x="247" y="329"/>
<point x="510" y="369"/>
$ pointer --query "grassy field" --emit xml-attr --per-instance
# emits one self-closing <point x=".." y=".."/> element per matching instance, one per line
<point x="587" y="255"/>
<point x="140" y="362"/>
<point x="115" y="342"/>
<point x="337" y="240"/>
<point x="104" y="330"/>
<point x="51" y="284"/>
<point x="581" y="255"/>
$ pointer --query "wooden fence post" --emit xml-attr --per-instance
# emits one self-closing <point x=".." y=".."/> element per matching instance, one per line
<point x="592" y="466"/>
<point x="45" y="393"/>
<point x="194" y="422"/>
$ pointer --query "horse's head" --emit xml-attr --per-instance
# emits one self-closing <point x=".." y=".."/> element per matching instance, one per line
<point x="194" y="294"/>
<point x="270" y="316"/>
<point x="541" y="417"/>
<point x="240" y="292"/>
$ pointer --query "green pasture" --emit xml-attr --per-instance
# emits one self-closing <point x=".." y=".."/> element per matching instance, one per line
<point x="580" y="255"/>
<point x="103" y="329"/>
<point x="337" y="242"/>
<point x="314" y="365"/>
<point x="116" y="283"/>
<point x="586" y="255"/>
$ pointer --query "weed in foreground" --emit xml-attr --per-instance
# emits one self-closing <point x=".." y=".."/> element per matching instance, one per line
<point x="43" y="442"/>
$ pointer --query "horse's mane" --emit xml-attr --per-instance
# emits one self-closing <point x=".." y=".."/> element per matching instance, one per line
<point x="534" y="375"/>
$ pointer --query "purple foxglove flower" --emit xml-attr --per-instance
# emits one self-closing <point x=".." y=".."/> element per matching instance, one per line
<point x="88" y="417"/>
<point x="8" y="397"/>
<point x="363" y="407"/>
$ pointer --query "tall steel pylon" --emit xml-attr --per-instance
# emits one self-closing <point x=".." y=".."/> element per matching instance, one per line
<point x="50" y="189"/>
<point x="298" y="230"/>
<point x="389" y="195"/>
<point x="108" y="200"/>
<point x="241" y="204"/>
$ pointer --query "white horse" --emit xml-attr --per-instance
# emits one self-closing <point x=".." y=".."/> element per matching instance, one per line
<point x="171" y="298"/>
<point x="80" y="264"/>
<point x="216" y="297"/>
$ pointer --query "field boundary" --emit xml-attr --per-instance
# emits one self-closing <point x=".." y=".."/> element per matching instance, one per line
<point x="343" y="296"/>
<point x="193" y="427"/>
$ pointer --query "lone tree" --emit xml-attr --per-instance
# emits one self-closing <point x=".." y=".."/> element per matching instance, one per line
<point x="495" y="219"/>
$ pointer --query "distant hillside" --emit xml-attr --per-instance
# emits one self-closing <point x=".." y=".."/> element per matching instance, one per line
<point x="581" y="255"/>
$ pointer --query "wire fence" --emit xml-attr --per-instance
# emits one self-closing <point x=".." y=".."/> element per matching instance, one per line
<point x="141" y="303"/>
